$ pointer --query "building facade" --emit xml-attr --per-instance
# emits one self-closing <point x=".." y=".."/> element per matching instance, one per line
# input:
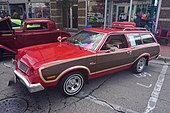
<point x="26" y="8"/>
<point x="164" y="16"/>
<point x="77" y="14"/>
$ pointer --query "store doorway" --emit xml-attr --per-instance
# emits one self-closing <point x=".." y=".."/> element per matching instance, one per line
<point x="74" y="16"/>
<point x="70" y="16"/>
<point x="122" y="13"/>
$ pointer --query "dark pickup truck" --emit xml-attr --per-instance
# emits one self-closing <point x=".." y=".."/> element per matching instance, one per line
<point x="32" y="32"/>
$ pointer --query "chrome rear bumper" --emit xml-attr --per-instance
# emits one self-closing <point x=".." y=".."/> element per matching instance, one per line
<point x="31" y="87"/>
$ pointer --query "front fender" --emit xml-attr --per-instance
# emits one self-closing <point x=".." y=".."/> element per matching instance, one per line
<point x="68" y="70"/>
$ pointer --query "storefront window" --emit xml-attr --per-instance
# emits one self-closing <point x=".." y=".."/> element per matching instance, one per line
<point x="40" y="10"/>
<point x="4" y="8"/>
<point x="95" y="16"/>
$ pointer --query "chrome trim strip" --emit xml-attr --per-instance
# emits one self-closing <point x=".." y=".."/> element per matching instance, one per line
<point x="31" y="87"/>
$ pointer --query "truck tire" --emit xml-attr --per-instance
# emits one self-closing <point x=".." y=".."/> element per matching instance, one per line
<point x="72" y="83"/>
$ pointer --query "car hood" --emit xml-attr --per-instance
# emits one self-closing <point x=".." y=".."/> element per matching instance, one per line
<point x="5" y="24"/>
<point x="41" y="54"/>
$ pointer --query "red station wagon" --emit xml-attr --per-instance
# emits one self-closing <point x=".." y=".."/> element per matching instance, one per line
<point x="91" y="53"/>
<point x="33" y="32"/>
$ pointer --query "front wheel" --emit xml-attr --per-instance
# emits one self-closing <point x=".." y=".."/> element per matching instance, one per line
<point x="72" y="83"/>
<point x="139" y="65"/>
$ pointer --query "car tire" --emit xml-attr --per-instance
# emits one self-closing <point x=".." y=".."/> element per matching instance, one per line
<point x="72" y="83"/>
<point x="139" y="65"/>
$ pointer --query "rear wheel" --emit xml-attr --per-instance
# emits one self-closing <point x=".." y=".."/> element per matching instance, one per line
<point x="139" y="65"/>
<point x="72" y="83"/>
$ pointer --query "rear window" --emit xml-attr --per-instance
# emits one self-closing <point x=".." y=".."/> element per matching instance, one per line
<point x="36" y="26"/>
<point x="134" y="39"/>
<point x="147" y="38"/>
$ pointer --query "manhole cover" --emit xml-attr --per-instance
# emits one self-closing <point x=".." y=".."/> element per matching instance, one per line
<point x="13" y="105"/>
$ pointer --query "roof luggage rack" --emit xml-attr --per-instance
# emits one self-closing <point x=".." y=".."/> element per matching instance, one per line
<point x="126" y="26"/>
<point x="137" y="28"/>
<point x="123" y="24"/>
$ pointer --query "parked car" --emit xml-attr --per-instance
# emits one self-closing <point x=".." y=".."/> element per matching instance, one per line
<point x="33" y="32"/>
<point x="91" y="53"/>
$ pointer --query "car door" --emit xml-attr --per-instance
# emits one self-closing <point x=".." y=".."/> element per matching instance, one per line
<point x="136" y="45"/>
<point x="109" y="59"/>
<point x="7" y="39"/>
<point x="7" y="35"/>
<point x="37" y="33"/>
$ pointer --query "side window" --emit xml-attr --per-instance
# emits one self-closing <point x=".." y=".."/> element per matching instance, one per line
<point x="15" y="25"/>
<point x="134" y="39"/>
<point x="147" y="38"/>
<point x="115" y="42"/>
<point x="36" y="26"/>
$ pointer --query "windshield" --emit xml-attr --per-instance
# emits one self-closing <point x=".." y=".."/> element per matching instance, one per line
<point x="86" y="39"/>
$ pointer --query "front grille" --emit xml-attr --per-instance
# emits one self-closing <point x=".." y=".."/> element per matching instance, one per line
<point x="22" y="66"/>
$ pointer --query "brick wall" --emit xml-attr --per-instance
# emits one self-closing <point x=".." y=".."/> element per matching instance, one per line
<point x="164" y="17"/>
<point x="81" y="14"/>
<point x="56" y="13"/>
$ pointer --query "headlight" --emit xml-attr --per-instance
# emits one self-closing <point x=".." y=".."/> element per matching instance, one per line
<point x="22" y="67"/>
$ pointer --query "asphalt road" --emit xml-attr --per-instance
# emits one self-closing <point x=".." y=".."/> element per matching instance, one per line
<point x="122" y="92"/>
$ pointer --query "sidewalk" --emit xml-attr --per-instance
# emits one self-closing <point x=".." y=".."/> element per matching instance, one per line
<point x="165" y="52"/>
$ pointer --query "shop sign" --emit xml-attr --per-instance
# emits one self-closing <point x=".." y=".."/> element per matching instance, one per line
<point x="95" y="17"/>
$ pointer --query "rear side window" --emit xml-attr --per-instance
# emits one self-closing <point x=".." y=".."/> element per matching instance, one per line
<point x="134" y="39"/>
<point x="36" y="26"/>
<point x="147" y="38"/>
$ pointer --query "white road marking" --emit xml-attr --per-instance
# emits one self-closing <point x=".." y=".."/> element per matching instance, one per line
<point x="147" y="74"/>
<point x="8" y="65"/>
<point x="150" y="85"/>
<point x="111" y="106"/>
<point x="155" y="93"/>
<point x="141" y="75"/>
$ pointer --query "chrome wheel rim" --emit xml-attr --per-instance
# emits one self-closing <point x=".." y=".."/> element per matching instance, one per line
<point x="73" y="84"/>
<point x="141" y="64"/>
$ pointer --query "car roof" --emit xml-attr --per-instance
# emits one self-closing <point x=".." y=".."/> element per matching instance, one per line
<point x="118" y="30"/>
<point x="37" y="20"/>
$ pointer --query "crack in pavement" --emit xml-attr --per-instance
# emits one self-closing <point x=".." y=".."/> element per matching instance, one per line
<point x="112" y="106"/>
<point x="64" y="101"/>
<point x="110" y="76"/>
<point x="81" y="97"/>
<point x="105" y="103"/>
<point x="49" y="102"/>
<point x="2" y="73"/>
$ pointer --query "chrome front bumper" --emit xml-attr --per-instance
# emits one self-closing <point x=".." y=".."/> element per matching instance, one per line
<point x="31" y="87"/>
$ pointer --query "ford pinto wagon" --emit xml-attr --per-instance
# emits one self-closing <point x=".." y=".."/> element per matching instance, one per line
<point x="90" y="53"/>
<point x="33" y="32"/>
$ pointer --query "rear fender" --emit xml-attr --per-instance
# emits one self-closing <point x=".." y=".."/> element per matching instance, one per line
<point x="146" y="55"/>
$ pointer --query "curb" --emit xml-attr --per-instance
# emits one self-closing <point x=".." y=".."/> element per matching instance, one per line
<point x="165" y="59"/>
